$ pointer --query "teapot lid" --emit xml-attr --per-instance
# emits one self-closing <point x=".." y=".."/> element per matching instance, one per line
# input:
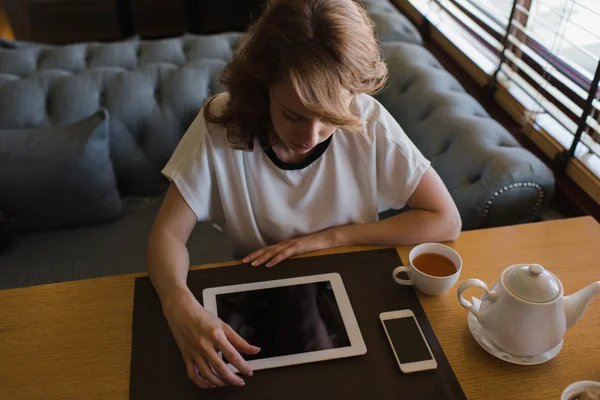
<point x="531" y="282"/>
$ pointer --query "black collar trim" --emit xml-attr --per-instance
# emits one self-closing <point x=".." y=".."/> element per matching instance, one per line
<point x="314" y="156"/>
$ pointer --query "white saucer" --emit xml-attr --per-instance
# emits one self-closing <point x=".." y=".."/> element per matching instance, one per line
<point x="479" y="336"/>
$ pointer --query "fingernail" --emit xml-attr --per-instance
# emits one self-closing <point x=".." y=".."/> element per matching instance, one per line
<point x="268" y="265"/>
<point x="250" y="373"/>
<point x="254" y="263"/>
<point x="242" y="383"/>
<point x="246" y="260"/>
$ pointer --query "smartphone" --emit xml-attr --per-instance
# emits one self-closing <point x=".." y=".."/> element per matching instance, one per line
<point x="408" y="343"/>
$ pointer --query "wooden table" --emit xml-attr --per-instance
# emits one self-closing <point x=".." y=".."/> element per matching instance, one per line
<point x="73" y="340"/>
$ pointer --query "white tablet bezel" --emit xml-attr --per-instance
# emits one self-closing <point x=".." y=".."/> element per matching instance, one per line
<point x="357" y="344"/>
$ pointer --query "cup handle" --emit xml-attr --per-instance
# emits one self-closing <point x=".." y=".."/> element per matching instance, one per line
<point x="406" y="282"/>
<point x="490" y="295"/>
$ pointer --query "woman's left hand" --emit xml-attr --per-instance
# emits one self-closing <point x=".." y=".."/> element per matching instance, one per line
<point x="273" y="255"/>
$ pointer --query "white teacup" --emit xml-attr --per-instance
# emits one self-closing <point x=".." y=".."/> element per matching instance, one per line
<point x="576" y="388"/>
<point x="429" y="284"/>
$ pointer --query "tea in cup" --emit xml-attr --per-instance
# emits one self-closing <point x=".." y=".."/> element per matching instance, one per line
<point x="433" y="268"/>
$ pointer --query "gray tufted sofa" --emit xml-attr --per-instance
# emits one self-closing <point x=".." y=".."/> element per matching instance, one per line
<point x="153" y="89"/>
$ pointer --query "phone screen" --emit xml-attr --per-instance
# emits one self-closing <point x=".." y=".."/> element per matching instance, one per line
<point x="407" y="340"/>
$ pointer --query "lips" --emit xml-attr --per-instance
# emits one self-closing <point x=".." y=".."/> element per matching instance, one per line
<point x="301" y="146"/>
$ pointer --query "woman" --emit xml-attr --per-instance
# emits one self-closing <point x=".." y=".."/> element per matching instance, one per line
<point x="295" y="157"/>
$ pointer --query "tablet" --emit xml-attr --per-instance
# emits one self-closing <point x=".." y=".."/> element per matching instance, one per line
<point x="293" y="321"/>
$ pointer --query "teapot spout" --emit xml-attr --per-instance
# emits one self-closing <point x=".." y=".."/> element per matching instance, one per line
<point x="576" y="303"/>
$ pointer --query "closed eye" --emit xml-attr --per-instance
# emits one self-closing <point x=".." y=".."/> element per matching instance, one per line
<point x="290" y="118"/>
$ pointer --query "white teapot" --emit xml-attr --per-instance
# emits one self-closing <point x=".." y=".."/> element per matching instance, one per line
<point x="525" y="313"/>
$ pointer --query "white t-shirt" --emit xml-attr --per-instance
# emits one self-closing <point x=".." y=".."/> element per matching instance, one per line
<point x="348" y="179"/>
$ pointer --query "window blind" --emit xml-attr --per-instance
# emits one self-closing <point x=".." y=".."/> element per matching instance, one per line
<point x="540" y="60"/>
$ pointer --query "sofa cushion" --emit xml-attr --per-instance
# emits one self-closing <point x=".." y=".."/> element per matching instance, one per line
<point x="152" y="89"/>
<point x="114" y="248"/>
<point x="493" y="180"/>
<point x="58" y="176"/>
<point x="390" y="24"/>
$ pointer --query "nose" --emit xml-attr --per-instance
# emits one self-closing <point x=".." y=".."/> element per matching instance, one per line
<point x="310" y="135"/>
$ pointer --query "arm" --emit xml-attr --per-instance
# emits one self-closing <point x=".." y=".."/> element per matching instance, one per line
<point x="198" y="333"/>
<point x="433" y="217"/>
<point x="168" y="258"/>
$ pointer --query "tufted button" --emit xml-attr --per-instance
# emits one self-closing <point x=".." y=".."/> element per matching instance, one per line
<point x="186" y="47"/>
<point x="480" y="113"/>
<point x="184" y="52"/>
<point x="474" y="179"/>
<point x="427" y="113"/>
<point x="444" y="149"/>
<point x="140" y="140"/>
<point x="49" y="106"/>
<point x="407" y="85"/>
<point x="40" y="59"/>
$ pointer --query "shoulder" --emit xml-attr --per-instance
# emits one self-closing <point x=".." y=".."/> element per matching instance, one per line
<point x="383" y="132"/>
<point x="378" y="123"/>
<point x="201" y="127"/>
<point x="366" y="106"/>
<point x="216" y="104"/>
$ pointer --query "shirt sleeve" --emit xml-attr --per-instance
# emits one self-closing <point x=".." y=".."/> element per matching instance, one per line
<point x="192" y="169"/>
<point x="400" y="164"/>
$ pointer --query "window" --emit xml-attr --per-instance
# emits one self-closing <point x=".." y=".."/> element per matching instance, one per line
<point x="541" y="62"/>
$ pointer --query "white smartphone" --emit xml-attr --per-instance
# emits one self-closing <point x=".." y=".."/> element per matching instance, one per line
<point x="408" y="343"/>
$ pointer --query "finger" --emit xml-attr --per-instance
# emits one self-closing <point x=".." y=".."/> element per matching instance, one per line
<point x="192" y="373"/>
<point x="235" y="358"/>
<point x="239" y="342"/>
<point x="221" y="369"/>
<point x="207" y="373"/>
<point x="286" y="253"/>
<point x="257" y="254"/>
<point x="267" y="256"/>
<point x="279" y="251"/>
<point x="253" y="256"/>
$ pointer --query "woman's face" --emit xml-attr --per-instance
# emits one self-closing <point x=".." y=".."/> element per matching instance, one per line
<point x="299" y="129"/>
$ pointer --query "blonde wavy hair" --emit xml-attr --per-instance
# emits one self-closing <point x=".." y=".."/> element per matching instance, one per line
<point x="320" y="46"/>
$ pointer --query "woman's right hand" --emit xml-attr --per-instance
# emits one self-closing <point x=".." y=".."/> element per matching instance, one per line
<point x="200" y="335"/>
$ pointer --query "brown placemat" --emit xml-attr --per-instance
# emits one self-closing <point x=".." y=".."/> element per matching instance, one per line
<point x="158" y="372"/>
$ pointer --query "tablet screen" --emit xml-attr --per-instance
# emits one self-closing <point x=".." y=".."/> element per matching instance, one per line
<point x="285" y="320"/>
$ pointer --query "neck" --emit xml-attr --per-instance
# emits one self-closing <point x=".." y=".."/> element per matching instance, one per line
<point x="283" y="152"/>
<point x="286" y="155"/>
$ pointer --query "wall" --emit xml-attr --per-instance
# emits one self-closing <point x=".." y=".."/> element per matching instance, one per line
<point x="5" y="30"/>
<point x="69" y="21"/>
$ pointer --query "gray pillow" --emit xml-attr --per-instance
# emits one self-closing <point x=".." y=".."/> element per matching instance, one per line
<point x="59" y="176"/>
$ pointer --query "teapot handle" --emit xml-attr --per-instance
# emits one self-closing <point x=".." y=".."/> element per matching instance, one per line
<point x="473" y="283"/>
